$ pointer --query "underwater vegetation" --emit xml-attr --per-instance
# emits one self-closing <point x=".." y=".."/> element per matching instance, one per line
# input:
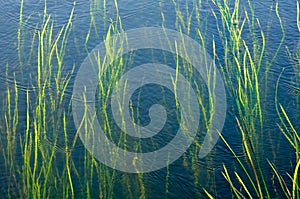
<point x="257" y="155"/>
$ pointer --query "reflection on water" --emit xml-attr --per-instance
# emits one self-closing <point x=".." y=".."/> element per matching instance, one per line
<point x="186" y="177"/>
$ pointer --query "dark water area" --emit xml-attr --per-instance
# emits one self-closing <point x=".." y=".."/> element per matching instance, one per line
<point x="187" y="176"/>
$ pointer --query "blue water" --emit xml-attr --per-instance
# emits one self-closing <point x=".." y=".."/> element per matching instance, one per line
<point x="180" y="175"/>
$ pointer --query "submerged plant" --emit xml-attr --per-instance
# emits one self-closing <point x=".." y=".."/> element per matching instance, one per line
<point x="42" y="161"/>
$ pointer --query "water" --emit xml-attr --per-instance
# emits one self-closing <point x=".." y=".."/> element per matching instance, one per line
<point x="187" y="176"/>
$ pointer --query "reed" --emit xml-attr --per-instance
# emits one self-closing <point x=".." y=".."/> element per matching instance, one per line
<point x="46" y="140"/>
<point x="258" y="181"/>
<point x="46" y="95"/>
<point x="19" y="31"/>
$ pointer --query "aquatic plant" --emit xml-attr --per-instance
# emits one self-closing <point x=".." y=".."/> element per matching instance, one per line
<point x="42" y="160"/>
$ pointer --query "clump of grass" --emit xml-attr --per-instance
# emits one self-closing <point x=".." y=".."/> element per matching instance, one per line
<point x="11" y="120"/>
<point x="241" y="64"/>
<point x="242" y="67"/>
<point x="258" y="187"/>
<point x="287" y="128"/>
<point x="36" y="175"/>
<point x="243" y="190"/>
